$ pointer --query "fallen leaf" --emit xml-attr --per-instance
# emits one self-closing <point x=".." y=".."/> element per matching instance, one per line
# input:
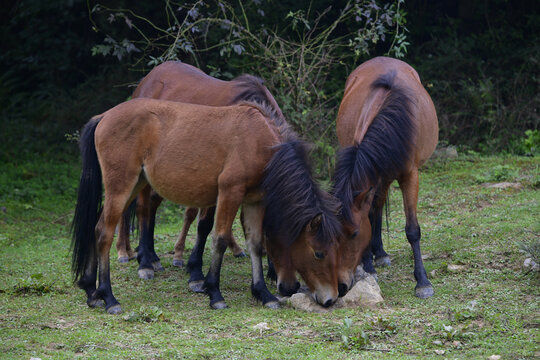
<point x="261" y="327"/>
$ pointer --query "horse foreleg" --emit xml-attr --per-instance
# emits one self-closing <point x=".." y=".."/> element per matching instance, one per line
<point x="252" y="219"/>
<point x="409" y="188"/>
<point x="179" y="246"/>
<point x="195" y="262"/>
<point x="381" y="257"/>
<point x="229" y="200"/>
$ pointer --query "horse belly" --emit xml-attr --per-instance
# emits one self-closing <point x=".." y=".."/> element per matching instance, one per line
<point x="191" y="185"/>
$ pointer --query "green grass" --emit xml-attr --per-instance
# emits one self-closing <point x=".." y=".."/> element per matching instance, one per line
<point x="490" y="307"/>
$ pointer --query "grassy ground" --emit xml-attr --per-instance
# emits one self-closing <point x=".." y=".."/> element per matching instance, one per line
<point x="489" y="306"/>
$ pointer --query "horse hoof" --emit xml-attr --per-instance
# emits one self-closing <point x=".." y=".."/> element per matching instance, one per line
<point x="96" y="303"/>
<point x="123" y="259"/>
<point x="115" y="309"/>
<point x="424" y="292"/>
<point x="178" y="263"/>
<point x="146" y="274"/>
<point x="272" y="305"/>
<point x="383" y="261"/>
<point x="240" y="255"/>
<point x="157" y="266"/>
<point x="219" y="305"/>
<point x="197" y="286"/>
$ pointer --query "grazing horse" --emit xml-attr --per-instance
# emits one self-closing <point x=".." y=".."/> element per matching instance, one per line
<point x="176" y="81"/>
<point x="202" y="156"/>
<point x="387" y="127"/>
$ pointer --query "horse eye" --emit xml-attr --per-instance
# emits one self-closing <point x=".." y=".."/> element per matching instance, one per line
<point x="354" y="234"/>
<point x="319" y="255"/>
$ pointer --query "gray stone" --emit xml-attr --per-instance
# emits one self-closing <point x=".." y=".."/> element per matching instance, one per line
<point x="449" y="152"/>
<point x="365" y="293"/>
<point x="503" y="185"/>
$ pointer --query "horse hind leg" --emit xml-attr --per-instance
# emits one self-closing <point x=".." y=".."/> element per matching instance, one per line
<point x="112" y="211"/>
<point x="123" y="246"/>
<point x="236" y="249"/>
<point x="409" y="188"/>
<point x="179" y="246"/>
<point x="252" y="217"/>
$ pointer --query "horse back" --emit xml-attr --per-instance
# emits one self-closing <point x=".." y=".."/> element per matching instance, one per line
<point x="362" y="102"/>
<point x="177" y="81"/>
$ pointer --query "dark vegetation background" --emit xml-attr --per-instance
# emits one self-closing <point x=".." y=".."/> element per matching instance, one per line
<point x="478" y="60"/>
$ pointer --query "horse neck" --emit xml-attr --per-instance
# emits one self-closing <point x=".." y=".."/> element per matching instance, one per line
<point x="292" y="197"/>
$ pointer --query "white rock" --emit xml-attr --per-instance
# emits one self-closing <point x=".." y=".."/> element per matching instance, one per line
<point x="304" y="302"/>
<point x="365" y="293"/>
<point x="529" y="263"/>
<point x="456" y="268"/>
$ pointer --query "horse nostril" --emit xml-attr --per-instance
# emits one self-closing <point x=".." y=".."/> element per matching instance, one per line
<point x="328" y="303"/>
<point x="342" y="289"/>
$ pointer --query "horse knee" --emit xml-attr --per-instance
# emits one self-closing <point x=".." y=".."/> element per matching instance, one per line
<point x="220" y="244"/>
<point x="413" y="233"/>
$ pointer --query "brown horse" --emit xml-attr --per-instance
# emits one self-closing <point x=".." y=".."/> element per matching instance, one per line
<point x="202" y="156"/>
<point x="176" y="81"/>
<point x="387" y="127"/>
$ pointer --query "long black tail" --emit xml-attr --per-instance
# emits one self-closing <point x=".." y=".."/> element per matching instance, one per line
<point x="385" y="149"/>
<point x="88" y="206"/>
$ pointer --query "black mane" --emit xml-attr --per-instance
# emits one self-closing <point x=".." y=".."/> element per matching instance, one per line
<point x="252" y="89"/>
<point x="293" y="198"/>
<point x="384" y="150"/>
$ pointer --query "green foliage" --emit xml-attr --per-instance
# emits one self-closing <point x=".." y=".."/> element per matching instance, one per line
<point x="531" y="248"/>
<point x="480" y="65"/>
<point x="304" y="56"/>
<point x="498" y="173"/>
<point x="531" y="142"/>
<point x="35" y="284"/>
<point x="145" y="314"/>
<point x="352" y="337"/>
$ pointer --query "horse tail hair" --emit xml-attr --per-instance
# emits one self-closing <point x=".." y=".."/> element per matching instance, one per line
<point x="385" y="149"/>
<point x="88" y="206"/>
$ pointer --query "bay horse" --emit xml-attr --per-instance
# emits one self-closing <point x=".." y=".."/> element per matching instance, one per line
<point x="177" y="81"/>
<point x="387" y="127"/>
<point x="201" y="156"/>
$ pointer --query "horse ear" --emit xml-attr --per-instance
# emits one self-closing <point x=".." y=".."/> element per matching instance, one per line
<point x="314" y="224"/>
<point x="363" y="200"/>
